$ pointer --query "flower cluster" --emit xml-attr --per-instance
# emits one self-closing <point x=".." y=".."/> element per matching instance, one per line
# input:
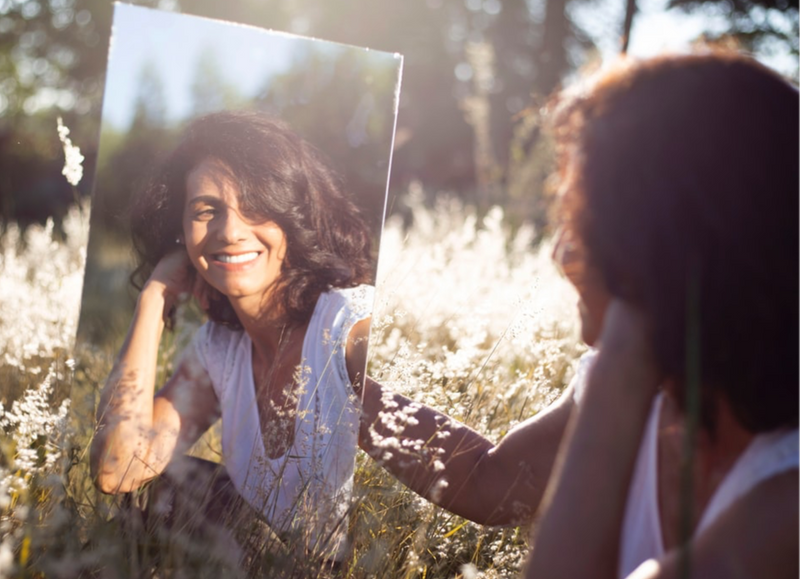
<point x="73" y="159"/>
<point x="41" y="291"/>
<point x="474" y="320"/>
<point x="471" y="318"/>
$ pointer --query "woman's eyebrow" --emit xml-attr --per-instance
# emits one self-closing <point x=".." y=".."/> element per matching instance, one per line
<point x="207" y="199"/>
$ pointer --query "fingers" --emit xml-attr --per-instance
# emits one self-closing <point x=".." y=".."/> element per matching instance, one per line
<point x="173" y="272"/>
<point x="624" y="322"/>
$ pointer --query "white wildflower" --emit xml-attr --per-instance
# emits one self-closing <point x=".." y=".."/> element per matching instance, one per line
<point x="41" y="291"/>
<point x="469" y="571"/>
<point x="37" y="431"/>
<point x="73" y="159"/>
<point x="437" y="490"/>
<point x="6" y="558"/>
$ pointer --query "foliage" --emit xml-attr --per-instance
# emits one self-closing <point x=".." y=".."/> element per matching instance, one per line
<point x="470" y="319"/>
<point x="763" y="27"/>
<point x="53" y="54"/>
<point x="39" y="297"/>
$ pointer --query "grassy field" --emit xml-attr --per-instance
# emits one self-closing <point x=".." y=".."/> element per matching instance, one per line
<point x="469" y="319"/>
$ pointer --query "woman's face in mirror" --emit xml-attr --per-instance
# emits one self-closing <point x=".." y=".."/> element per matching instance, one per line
<point x="593" y="296"/>
<point x="235" y="255"/>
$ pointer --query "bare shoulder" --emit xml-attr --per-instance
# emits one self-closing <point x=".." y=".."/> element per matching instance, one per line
<point x="756" y="537"/>
<point x="356" y="350"/>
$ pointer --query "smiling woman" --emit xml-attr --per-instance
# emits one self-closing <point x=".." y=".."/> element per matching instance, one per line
<point x="265" y="173"/>
<point x="240" y="258"/>
<point x="247" y="217"/>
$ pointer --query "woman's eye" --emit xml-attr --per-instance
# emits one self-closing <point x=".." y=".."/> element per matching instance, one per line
<point x="205" y="214"/>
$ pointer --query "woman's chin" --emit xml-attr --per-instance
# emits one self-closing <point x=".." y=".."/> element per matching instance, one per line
<point x="589" y="338"/>
<point x="590" y="332"/>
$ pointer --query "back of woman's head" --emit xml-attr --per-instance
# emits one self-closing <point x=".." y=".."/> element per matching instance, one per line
<point x="681" y="178"/>
<point x="280" y="177"/>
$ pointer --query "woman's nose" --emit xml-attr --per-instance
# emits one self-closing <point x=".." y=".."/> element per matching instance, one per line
<point x="231" y="227"/>
<point x="560" y="247"/>
<point x="565" y="253"/>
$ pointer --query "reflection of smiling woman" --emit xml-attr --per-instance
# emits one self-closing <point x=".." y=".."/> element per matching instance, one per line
<point x="246" y="216"/>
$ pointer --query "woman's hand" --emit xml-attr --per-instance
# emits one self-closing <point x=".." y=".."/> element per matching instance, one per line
<point x="171" y="280"/>
<point x="173" y="275"/>
<point x="589" y="494"/>
<point x="627" y="326"/>
<point x="626" y="352"/>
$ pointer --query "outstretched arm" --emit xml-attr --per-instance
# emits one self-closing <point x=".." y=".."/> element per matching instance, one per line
<point x="452" y="465"/>
<point x="137" y="434"/>
<point x="457" y="468"/>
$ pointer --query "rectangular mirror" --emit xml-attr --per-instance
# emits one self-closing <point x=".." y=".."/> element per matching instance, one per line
<point x="248" y="168"/>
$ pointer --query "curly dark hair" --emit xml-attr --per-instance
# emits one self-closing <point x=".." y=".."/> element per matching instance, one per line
<point x="680" y="178"/>
<point x="280" y="177"/>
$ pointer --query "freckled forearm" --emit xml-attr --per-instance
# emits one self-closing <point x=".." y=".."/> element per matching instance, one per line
<point x="125" y="414"/>
<point x="434" y="455"/>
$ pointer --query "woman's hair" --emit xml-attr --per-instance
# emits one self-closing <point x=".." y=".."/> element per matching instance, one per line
<point x="680" y="179"/>
<point x="280" y="177"/>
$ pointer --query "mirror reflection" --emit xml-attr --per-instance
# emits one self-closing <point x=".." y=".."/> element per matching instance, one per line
<point x="247" y="172"/>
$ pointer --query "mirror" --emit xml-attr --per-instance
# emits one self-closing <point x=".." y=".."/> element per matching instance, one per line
<point x="248" y="154"/>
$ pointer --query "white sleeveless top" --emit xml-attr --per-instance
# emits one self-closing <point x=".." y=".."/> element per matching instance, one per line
<point x="767" y="455"/>
<point x="308" y="490"/>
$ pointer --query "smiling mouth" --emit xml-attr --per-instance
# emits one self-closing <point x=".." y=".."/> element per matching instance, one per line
<point x="234" y="259"/>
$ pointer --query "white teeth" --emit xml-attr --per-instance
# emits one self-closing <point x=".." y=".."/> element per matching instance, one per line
<point x="241" y="258"/>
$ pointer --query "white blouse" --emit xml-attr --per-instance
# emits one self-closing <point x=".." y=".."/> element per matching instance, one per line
<point x="767" y="455"/>
<point x="307" y="490"/>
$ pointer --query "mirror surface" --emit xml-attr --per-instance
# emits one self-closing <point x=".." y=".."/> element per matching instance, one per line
<point x="166" y="69"/>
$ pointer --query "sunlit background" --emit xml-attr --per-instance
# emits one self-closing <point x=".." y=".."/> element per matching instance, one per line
<point x="471" y="318"/>
<point x="471" y="68"/>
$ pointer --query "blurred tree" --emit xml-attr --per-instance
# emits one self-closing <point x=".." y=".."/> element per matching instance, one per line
<point x="129" y="155"/>
<point x="357" y="88"/>
<point x="53" y="52"/>
<point x="454" y="130"/>
<point x="210" y="91"/>
<point x="764" y="27"/>
<point x="52" y="60"/>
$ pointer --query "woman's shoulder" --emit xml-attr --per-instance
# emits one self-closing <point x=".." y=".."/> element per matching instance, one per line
<point x="218" y="333"/>
<point x="360" y="297"/>
<point x="352" y="303"/>
<point x="756" y="537"/>
<point x="338" y="311"/>
<point x="768" y="455"/>
<point x="213" y="341"/>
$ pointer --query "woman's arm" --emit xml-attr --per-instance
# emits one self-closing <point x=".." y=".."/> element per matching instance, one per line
<point x="579" y="535"/>
<point x="137" y="434"/>
<point x="454" y="466"/>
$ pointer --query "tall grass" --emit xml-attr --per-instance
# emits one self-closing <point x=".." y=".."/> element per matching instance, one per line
<point x="470" y="319"/>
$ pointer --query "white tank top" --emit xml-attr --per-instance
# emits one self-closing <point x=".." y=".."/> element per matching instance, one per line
<point x="767" y="455"/>
<point x="307" y="490"/>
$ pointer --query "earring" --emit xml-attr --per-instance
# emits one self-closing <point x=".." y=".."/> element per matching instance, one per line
<point x="178" y="241"/>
